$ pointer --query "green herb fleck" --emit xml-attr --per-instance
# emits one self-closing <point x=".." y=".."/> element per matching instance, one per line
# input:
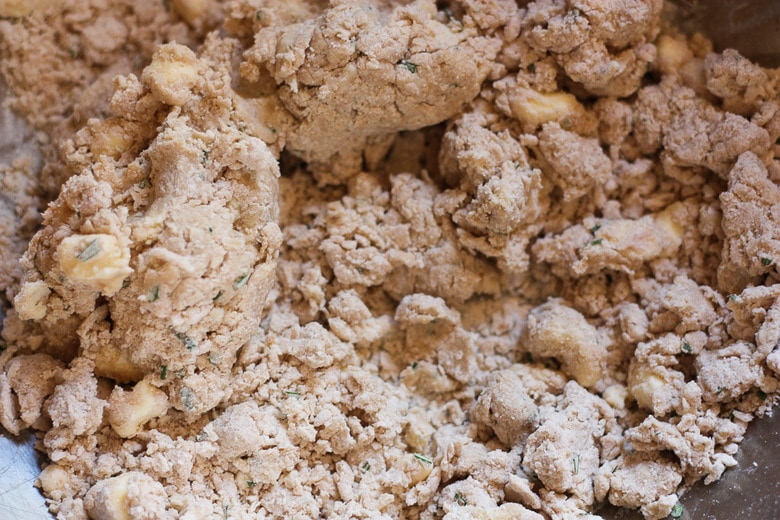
<point x="576" y="463"/>
<point x="292" y="393"/>
<point x="155" y="294"/>
<point x="215" y="298"/>
<point x="677" y="510"/>
<point x="762" y="395"/>
<point x="595" y="228"/>
<point x="766" y="261"/>
<point x="125" y="284"/>
<point x="365" y="466"/>
<point x="189" y="343"/>
<point x="241" y="281"/>
<point x="733" y="298"/>
<point x="532" y="68"/>
<point x="89" y="252"/>
<point x="615" y="468"/>
<point x="596" y="242"/>
<point x="687" y="348"/>
<point x="719" y="390"/>
<point x="164" y="372"/>
<point x="422" y="458"/>
<point x="259" y="15"/>
<point x="460" y="499"/>
<point x="187" y="397"/>
<point x="411" y="67"/>
<point x="415" y="365"/>
<point x="251" y="483"/>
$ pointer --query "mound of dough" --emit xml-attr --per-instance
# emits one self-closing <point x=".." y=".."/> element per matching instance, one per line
<point x="158" y="257"/>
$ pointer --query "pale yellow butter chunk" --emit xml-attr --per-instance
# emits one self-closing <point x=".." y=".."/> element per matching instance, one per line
<point x="644" y="385"/>
<point x="110" y="138"/>
<point x="534" y="108"/>
<point x="131" y="495"/>
<point x="129" y="411"/>
<point x="673" y="53"/>
<point x="671" y="227"/>
<point x="115" y="363"/>
<point x="30" y="303"/>
<point x="556" y="330"/>
<point x="97" y="260"/>
<point x="615" y="395"/>
<point x="53" y="478"/>
<point x="19" y="8"/>
<point x="109" y="499"/>
<point x="191" y="10"/>
<point x="172" y="74"/>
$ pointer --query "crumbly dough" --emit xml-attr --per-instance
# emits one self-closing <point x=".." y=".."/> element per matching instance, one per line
<point x="461" y="260"/>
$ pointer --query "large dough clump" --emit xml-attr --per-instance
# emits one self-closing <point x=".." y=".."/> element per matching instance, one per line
<point x="160" y="253"/>
<point x="359" y="72"/>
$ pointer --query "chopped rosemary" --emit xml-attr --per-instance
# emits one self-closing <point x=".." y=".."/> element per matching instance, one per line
<point x="596" y="242"/>
<point x="241" y="281"/>
<point x="365" y="466"/>
<point x="411" y="67"/>
<point x="687" y="348"/>
<point x="155" y="294"/>
<point x="415" y="364"/>
<point x="215" y="298"/>
<point x="251" y="483"/>
<point x="163" y="371"/>
<point x="187" y="397"/>
<point x="595" y="228"/>
<point x="766" y="261"/>
<point x="576" y="463"/>
<point x="762" y="395"/>
<point x="89" y="252"/>
<point x="422" y="458"/>
<point x="460" y="499"/>
<point x="292" y="393"/>
<point x="189" y="343"/>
